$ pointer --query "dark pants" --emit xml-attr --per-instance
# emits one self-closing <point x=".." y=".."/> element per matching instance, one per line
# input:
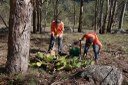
<point x="95" y="49"/>
<point x="52" y="43"/>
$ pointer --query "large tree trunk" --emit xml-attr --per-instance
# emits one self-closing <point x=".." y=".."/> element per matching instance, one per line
<point x="122" y="14"/>
<point x="111" y="15"/>
<point x="80" y="17"/>
<point x="105" y="18"/>
<point x="101" y="16"/>
<point x="19" y="36"/>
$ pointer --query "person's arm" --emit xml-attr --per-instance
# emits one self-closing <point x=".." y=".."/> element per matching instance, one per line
<point x="100" y="45"/>
<point x="62" y="30"/>
<point x="82" y="37"/>
<point x="52" y="29"/>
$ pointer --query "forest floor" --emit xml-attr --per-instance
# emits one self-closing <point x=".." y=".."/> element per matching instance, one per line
<point x="114" y="52"/>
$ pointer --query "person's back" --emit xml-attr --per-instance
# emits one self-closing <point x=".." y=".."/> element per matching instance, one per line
<point x="95" y="38"/>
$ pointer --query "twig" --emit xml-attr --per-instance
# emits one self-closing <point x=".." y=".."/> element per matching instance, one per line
<point x="38" y="59"/>
<point x="106" y="76"/>
<point x="3" y="21"/>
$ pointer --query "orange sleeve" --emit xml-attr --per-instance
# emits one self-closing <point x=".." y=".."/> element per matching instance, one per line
<point x="61" y="28"/>
<point x="98" y="42"/>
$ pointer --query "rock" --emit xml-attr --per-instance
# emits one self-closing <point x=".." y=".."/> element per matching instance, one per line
<point x="124" y="66"/>
<point x="68" y="29"/>
<point x="102" y="75"/>
<point x="119" y="31"/>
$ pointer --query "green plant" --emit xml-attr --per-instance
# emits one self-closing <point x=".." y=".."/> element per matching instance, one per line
<point x="62" y="63"/>
<point x="32" y="82"/>
<point x="11" y="82"/>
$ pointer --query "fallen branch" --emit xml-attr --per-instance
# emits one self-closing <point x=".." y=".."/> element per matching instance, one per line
<point x="3" y="21"/>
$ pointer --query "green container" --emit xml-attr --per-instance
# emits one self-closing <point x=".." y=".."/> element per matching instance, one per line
<point x="75" y="51"/>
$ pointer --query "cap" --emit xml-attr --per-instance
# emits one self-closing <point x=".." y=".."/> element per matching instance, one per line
<point x="57" y="21"/>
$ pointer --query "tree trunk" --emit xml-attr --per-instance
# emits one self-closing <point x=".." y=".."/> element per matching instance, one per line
<point x="74" y="15"/>
<point x="38" y="16"/>
<point x="80" y="17"/>
<point x="56" y="9"/>
<point x="34" y="16"/>
<point x="96" y="13"/>
<point x="101" y="16"/>
<point x="45" y="19"/>
<point x="111" y="15"/>
<point x="34" y="20"/>
<point x="19" y="36"/>
<point x="105" y="17"/>
<point x="122" y="14"/>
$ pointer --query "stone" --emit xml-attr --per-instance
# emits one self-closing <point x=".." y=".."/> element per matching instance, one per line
<point x="102" y="75"/>
<point x="68" y="29"/>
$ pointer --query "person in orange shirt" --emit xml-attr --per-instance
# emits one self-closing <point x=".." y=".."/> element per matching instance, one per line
<point x="57" y="29"/>
<point x="92" y="39"/>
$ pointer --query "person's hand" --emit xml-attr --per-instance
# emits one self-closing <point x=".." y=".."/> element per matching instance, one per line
<point x="60" y="35"/>
<point x="53" y="34"/>
<point x="80" y="39"/>
<point x="57" y="35"/>
<point x="99" y="51"/>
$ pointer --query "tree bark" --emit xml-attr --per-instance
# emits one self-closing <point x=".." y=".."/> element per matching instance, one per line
<point x="19" y="36"/>
<point x="80" y="17"/>
<point x="101" y="16"/>
<point x="105" y="18"/>
<point x="111" y="15"/>
<point x="96" y="13"/>
<point x="74" y="15"/>
<point x="122" y="14"/>
<point x="56" y="9"/>
<point x="46" y="12"/>
<point x="39" y="15"/>
<point x="34" y="16"/>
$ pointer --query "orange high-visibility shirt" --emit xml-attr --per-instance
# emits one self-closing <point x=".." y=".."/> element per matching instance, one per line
<point x="95" y="38"/>
<point x="57" y="30"/>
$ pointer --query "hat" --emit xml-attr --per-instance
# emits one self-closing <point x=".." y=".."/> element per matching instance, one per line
<point x="57" y="20"/>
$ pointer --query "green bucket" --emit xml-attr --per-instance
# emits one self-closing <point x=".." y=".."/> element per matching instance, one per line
<point x="75" y="51"/>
